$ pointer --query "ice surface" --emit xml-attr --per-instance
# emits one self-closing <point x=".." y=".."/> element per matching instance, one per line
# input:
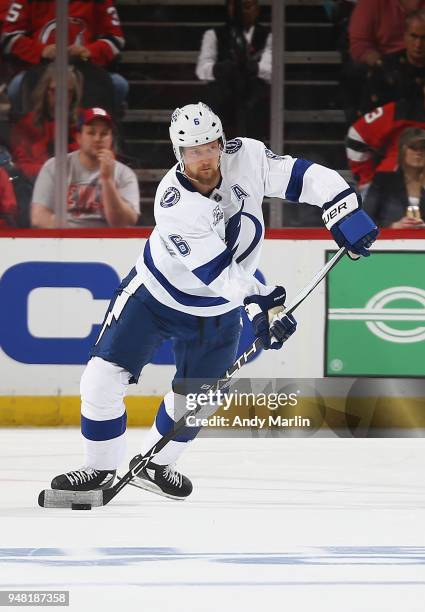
<point x="277" y="524"/>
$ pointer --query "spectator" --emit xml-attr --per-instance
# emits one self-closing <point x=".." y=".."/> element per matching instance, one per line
<point x="236" y="61"/>
<point x="377" y="27"/>
<point x="397" y="199"/>
<point x="4" y="68"/>
<point x="400" y="74"/>
<point x="101" y="191"/>
<point x="372" y="141"/>
<point x="95" y="38"/>
<point x="18" y="190"/>
<point x="8" y="206"/>
<point x="33" y="136"/>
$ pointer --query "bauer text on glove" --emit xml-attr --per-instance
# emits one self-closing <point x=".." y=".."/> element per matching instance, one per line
<point x="349" y="224"/>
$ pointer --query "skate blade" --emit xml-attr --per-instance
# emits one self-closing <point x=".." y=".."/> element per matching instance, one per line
<point x="141" y="483"/>
<point x="56" y="498"/>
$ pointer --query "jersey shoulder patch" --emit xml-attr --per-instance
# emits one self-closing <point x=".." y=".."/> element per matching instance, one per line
<point x="170" y="198"/>
<point x="233" y="146"/>
<point x="272" y="155"/>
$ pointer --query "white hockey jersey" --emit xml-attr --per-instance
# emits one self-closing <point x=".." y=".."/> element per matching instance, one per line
<point x="204" y="250"/>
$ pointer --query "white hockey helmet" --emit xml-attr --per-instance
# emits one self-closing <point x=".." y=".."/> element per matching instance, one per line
<point x="192" y="125"/>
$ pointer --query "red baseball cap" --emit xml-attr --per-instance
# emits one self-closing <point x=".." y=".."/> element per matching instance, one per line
<point x="90" y="114"/>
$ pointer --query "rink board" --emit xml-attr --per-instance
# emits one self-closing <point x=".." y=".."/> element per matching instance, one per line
<point x="55" y="288"/>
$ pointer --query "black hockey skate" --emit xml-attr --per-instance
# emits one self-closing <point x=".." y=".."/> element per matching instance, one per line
<point x="84" y="479"/>
<point x="161" y="479"/>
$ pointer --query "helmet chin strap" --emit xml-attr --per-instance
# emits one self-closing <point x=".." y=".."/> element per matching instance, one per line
<point x="191" y="178"/>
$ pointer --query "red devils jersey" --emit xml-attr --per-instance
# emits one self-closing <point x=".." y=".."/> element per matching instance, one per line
<point x="372" y="141"/>
<point x="30" y="25"/>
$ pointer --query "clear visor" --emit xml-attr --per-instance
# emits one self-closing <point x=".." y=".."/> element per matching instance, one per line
<point x="201" y="152"/>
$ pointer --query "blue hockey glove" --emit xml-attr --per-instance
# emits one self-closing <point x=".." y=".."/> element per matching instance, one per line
<point x="283" y="327"/>
<point x="257" y="308"/>
<point x="350" y="225"/>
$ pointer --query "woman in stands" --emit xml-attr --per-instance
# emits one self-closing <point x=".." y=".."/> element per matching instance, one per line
<point x="33" y="136"/>
<point x="397" y="199"/>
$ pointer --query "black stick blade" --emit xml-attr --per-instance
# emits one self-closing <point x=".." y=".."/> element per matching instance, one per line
<point x="56" y="498"/>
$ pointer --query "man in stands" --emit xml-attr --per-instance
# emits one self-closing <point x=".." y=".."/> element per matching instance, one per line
<point x="400" y="74"/>
<point x="376" y="28"/>
<point x="102" y="192"/>
<point x="236" y="61"/>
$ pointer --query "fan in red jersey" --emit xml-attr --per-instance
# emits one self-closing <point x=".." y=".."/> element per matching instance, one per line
<point x="94" y="35"/>
<point x="372" y="141"/>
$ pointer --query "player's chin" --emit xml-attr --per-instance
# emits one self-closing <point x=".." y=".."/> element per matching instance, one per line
<point x="205" y="175"/>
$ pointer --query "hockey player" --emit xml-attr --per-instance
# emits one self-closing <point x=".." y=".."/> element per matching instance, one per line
<point x="195" y="273"/>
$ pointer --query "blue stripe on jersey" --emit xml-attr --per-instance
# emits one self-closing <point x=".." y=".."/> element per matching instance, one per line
<point x="164" y="423"/>
<point x="338" y="197"/>
<point x="209" y="271"/>
<point x="182" y="298"/>
<point x="295" y="185"/>
<point x="103" y="430"/>
<point x="256" y="239"/>
<point x="233" y="227"/>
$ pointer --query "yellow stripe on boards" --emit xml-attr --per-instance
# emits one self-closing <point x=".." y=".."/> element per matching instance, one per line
<point x="62" y="411"/>
<point x="359" y="414"/>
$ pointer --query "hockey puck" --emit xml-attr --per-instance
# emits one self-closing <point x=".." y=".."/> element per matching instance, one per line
<point x="81" y="506"/>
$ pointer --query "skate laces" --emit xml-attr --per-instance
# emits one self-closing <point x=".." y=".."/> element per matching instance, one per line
<point x="173" y="477"/>
<point x="84" y="474"/>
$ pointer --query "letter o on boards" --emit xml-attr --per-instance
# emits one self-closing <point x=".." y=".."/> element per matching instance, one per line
<point x="15" y="286"/>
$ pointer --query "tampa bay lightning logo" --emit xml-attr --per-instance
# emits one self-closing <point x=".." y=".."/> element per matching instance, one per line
<point x="272" y="155"/>
<point x="233" y="146"/>
<point x="170" y="197"/>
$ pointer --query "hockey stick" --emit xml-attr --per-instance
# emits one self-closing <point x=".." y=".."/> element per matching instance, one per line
<point x="55" y="498"/>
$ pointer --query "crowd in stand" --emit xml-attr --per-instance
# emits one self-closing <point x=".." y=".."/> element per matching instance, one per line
<point x="101" y="190"/>
<point x="382" y="46"/>
<point x="383" y="80"/>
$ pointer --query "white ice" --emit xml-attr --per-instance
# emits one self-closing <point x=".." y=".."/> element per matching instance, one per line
<point x="323" y="524"/>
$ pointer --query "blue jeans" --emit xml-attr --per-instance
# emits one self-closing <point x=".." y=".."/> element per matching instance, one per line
<point x="121" y="88"/>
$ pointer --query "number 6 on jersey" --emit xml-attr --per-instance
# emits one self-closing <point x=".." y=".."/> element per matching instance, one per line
<point x="182" y="246"/>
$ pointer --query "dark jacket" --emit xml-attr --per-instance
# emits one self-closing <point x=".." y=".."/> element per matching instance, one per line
<point x="395" y="79"/>
<point x="231" y="43"/>
<point x="387" y="200"/>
